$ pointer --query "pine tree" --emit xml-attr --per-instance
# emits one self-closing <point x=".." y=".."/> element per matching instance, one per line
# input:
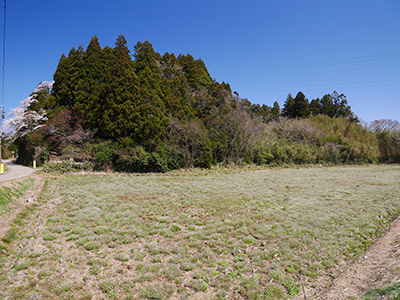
<point x="195" y="71"/>
<point x="151" y="119"/>
<point x="327" y="106"/>
<point x="68" y="79"/>
<point x="301" y="106"/>
<point x="288" y="109"/>
<point x="88" y="103"/>
<point x="275" y="110"/>
<point x="121" y="93"/>
<point x="315" y="107"/>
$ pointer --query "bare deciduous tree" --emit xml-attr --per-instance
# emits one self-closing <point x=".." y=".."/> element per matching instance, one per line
<point x="188" y="135"/>
<point x="294" y="130"/>
<point x="238" y="131"/>
<point x="382" y="125"/>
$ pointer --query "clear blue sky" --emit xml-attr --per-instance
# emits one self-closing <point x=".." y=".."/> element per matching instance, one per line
<point x="264" y="49"/>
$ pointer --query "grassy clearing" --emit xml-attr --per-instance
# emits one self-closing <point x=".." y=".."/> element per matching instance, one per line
<point x="249" y="235"/>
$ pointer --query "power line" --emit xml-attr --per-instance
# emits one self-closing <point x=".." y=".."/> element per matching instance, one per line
<point x="4" y="50"/>
<point x="335" y="62"/>
<point x="295" y="88"/>
<point x="337" y="72"/>
<point x="304" y="46"/>
<point x="2" y="113"/>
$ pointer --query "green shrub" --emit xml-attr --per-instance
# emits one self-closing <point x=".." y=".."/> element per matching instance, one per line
<point x="67" y="166"/>
<point x="104" y="155"/>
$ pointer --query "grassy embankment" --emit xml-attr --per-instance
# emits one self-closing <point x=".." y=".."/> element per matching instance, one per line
<point x="251" y="235"/>
<point x="9" y="192"/>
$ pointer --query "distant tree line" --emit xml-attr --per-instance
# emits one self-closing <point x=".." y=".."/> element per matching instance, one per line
<point x="150" y="112"/>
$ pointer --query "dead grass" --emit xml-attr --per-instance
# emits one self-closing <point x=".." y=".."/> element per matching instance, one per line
<point x="241" y="235"/>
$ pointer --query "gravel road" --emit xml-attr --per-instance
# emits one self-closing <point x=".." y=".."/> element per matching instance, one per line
<point x="15" y="171"/>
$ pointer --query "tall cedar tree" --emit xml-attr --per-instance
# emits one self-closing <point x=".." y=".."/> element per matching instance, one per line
<point x="88" y="103"/>
<point x="152" y="120"/>
<point x="289" y="107"/>
<point x="121" y="94"/>
<point x="67" y="79"/>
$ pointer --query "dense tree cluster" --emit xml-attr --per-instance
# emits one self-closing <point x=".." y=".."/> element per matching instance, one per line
<point x="150" y="112"/>
<point x="334" y="105"/>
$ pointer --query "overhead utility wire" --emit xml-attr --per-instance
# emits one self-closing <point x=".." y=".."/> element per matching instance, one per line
<point x="4" y="50"/>
<point x="286" y="75"/>
<point x="299" y="79"/>
<point x="310" y="45"/>
<point x="291" y="86"/>
<point x="2" y="113"/>
<point x="291" y="89"/>
<point x="346" y="61"/>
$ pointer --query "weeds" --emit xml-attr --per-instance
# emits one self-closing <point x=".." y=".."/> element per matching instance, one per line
<point x="391" y="292"/>
<point x="240" y="235"/>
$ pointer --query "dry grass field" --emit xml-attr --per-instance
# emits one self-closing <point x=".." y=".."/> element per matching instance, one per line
<point x="193" y="235"/>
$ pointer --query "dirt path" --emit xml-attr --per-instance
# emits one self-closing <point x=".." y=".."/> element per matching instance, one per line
<point x="379" y="266"/>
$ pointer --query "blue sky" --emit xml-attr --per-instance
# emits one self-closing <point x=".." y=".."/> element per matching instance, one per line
<point x="264" y="49"/>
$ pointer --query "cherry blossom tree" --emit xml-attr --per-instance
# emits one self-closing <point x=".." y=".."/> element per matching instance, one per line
<point x="24" y="120"/>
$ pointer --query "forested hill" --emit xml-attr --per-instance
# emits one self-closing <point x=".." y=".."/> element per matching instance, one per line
<point x="134" y="99"/>
<point x="150" y="112"/>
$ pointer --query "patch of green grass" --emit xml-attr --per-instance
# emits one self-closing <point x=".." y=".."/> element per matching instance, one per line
<point x="100" y="230"/>
<point x="45" y="273"/>
<point x="175" y="227"/>
<point x="11" y="234"/>
<point x="198" y="285"/>
<point x="109" y="287"/>
<point x="390" y="292"/>
<point x="158" y="291"/>
<point x="94" y="269"/>
<point x="49" y="237"/>
<point x="122" y="258"/>
<point x="92" y="245"/>
<point x="138" y="254"/>
<point x="187" y="266"/>
<point x="24" y="265"/>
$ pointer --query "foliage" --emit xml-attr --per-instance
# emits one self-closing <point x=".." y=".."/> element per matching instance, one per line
<point x="146" y="112"/>
<point x="67" y="166"/>
<point x="28" y="116"/>
<point x="353" y="142"/>
<point x="332" y="105"/>
<point x="137" y="159"/>
<point x="104" y="154"/>
<point x="388" y="134"/>
<point x="320" y="139"/>
<point x="297" y="107"/>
